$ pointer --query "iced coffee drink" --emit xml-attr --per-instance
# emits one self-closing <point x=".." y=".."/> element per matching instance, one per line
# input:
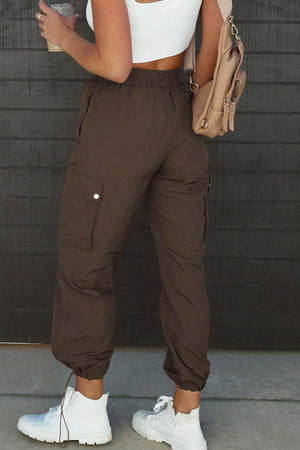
<point x="66" y="9"/>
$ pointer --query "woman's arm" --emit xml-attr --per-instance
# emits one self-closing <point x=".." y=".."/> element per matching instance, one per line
<point x="111" y="55"/>
<point x="212" y="21"/>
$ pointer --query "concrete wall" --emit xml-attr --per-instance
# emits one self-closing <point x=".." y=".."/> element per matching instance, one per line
<point x="251" y="260"/>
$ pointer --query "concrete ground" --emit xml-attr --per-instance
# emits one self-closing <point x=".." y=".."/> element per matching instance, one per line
<point x="250" y="401"/>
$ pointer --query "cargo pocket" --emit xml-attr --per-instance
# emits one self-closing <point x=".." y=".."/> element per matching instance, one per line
<point x="79" y="209"/>
<point x="83" y="109"/>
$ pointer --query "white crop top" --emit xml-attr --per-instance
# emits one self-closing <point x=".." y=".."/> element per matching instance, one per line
<point x="158" y="29"/>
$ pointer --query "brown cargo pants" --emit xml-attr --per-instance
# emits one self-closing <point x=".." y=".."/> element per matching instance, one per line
<point x="133" y="143"/>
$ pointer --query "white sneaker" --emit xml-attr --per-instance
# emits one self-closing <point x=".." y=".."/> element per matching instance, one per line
<point x="86" y="420"/>
<point x="181" y="431"/>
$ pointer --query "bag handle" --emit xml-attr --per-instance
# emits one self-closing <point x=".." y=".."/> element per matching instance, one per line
<point x="189" y="62"/>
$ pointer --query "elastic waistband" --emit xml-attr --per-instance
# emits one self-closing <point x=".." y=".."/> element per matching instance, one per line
<point x="150" y="77"/>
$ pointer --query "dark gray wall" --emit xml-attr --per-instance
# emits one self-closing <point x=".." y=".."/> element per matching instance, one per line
<point x="251" y="259"/>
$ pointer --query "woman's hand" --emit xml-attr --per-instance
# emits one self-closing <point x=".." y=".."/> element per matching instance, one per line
<point x="54" y="25"/>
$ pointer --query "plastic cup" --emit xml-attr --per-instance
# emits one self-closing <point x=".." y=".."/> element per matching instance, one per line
<point x="67" y="10"/>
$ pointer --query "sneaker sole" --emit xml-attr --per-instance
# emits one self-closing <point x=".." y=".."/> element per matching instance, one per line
<point x="152" y="435"/>
<point x="97" y="440"/>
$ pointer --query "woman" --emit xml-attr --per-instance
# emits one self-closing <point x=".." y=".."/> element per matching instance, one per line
<point x="133" y="142"/>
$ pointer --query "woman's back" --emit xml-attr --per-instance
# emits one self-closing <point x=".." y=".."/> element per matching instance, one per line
<point x="160" y="28"/>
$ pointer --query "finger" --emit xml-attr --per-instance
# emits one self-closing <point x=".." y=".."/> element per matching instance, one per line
<point x="39" y="15"/>
<point x="41" y="24"/>
<point x="45" y="8"/>
<point x="73" y="18"/>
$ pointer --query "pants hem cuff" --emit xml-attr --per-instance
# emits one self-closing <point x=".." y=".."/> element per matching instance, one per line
<point x="186" y="385"/>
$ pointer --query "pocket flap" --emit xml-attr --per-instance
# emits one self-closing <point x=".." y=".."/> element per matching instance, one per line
<point x="79" y="209"/>
<point x="83" y="185"/>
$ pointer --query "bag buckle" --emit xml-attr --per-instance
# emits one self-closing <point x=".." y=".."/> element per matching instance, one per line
<point x="192" y="83"/>
<point x="234" y="30"/>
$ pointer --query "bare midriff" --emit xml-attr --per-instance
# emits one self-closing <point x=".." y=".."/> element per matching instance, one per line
<point x="171" y="62"/>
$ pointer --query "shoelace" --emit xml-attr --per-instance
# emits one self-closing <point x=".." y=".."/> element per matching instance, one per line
<point x="62" y="445"/>
<point x="162" y="402"/>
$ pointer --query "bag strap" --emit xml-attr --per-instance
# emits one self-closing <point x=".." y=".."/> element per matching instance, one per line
<point x="189" y="62"/>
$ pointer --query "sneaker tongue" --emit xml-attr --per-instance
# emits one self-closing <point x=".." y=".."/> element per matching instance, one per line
<point x="69" y="392"/>
<point x="66" y="398"/>
<point x="162" y="403"/>
<point x="70" y="388"/>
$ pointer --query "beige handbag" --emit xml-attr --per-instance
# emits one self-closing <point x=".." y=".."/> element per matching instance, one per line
<point x="214" y="103"/>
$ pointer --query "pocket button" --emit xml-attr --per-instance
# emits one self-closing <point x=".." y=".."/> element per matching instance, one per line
<point x="96" y="196"/>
